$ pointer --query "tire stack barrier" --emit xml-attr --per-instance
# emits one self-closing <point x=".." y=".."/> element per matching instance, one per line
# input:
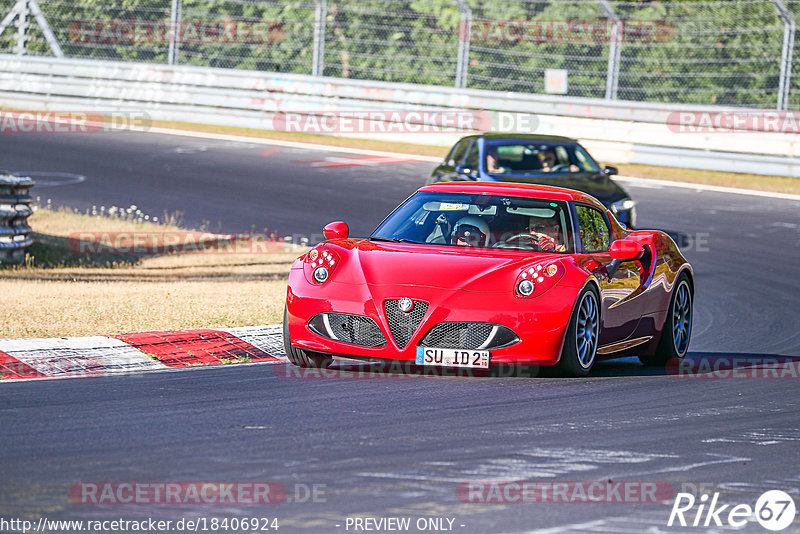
<point x="15" y="207"/>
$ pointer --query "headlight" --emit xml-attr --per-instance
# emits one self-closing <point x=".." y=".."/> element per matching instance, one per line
<point x="535" y="280"/>
<point x="320" y="263"/>
<point x="320" y="274"/>
<point x="525" y="287"/>
<point x="623" y="205"/>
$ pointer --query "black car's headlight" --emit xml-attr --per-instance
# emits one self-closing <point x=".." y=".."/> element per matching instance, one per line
<point x="625" y="211"/>
<point x="623" y="205"/>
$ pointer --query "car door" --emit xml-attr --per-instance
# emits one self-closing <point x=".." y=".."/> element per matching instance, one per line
<point x="619" y="316"/>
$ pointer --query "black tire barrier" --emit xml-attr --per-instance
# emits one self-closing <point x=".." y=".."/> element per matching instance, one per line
<point x="15" y="208"/>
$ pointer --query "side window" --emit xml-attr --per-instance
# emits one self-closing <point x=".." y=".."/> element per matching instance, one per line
<point x="472" y="156"/>
<point x="457" y="154"/>
<point x="585" y="161"/>
<point x="593" y="229"/>
<point x="562" y="158"/>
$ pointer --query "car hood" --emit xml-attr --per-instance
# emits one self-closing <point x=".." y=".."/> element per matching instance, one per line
<point x="599" y="186"/>
<point x="444" y="267"/>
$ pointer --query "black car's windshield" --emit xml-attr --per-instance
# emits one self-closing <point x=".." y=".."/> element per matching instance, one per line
<point x="526" y="158"/>
<point x="481" y="221"/>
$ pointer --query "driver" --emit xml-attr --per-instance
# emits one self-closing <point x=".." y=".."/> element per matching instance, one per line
<point x="492" y="163"/>
<point x="547" y="233"/>
<point x="470" y="231"/>
<point x="548" y="158"/>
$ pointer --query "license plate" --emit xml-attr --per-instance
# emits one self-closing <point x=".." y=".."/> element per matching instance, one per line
<point x="452" y="357"/>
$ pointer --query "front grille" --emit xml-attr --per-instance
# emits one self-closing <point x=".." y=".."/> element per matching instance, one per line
<point x="457" y="335"/>
<point x="353" y="329"/>
<point x="404" y="324"/>
<point x="468" y="336"/>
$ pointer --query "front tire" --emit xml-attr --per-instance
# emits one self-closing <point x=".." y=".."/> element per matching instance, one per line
<point x="300" y="357"/>
<point x="677" y="330"/>
<point x="580" y="343"/>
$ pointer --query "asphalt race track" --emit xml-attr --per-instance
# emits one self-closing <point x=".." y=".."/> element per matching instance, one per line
<point x="400" y="446"/>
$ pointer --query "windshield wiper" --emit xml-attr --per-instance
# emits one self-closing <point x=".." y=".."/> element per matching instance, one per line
<point x="390" y="239"/>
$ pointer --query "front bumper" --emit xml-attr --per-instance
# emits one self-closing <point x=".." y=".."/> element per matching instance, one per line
<point x="539" y="322"/>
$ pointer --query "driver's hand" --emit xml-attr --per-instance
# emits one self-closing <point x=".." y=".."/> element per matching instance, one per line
<point x="545" y="243"/>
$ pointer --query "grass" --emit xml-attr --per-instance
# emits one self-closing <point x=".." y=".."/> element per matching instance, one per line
<point x="63" y="293"/>
<point x="759" y="182"/>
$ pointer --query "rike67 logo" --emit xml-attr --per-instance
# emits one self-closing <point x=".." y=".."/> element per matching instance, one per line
<point x="774" y="510"/>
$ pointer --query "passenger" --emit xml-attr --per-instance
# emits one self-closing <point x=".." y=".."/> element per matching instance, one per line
<point x="470" y="231"/>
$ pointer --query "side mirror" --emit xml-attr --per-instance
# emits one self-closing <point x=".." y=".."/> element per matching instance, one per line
<point x="620" y="251"/>
<point x="465" y="170"/>
<point x="625" y="250"/>
<point x="608" y="170"/>
<point x="336" y="230"/>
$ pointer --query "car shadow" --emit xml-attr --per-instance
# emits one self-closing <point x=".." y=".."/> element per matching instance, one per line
<point x="707" y="365"/>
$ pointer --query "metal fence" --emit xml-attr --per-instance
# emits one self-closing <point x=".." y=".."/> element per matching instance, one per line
<point x="732" y="53"/>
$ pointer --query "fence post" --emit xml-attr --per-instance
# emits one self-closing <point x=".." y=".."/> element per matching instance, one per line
<point x="320" y="16"/>
<point x="785" y="80"/>
<point x="49" y="36"/>
<point x="464" y="36"/>
<point x="612" y="75"/>
<point x="174" y="31"/>
<point x="21" y="11"/>
<point x="23" y="23"/>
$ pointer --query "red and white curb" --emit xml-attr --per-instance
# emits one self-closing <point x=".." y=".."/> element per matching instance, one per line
<point x="132" y="353"/>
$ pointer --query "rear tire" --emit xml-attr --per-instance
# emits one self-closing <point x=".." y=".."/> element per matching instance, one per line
<point x="580" y="343"/>
<point x="300" y="357"/>
<point x="677" y="330"/>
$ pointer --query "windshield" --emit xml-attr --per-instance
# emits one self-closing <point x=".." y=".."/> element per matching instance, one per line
<point x="517" y="158"/>
<point x="480" y="221"/>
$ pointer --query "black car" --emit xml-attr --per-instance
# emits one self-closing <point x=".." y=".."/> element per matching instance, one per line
<point x="536" y="159"/>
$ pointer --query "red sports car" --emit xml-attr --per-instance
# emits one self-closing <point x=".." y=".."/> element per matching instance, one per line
<point x="471" y="274"/>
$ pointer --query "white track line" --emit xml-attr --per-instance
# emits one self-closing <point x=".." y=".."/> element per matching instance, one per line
<point x="326" y="148"/>
<point x="287" y="144"/>
<point x="647" y="182"/>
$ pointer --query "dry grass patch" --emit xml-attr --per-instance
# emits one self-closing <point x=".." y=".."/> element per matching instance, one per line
<point x="775" y="184"/>
<point x="319" y="139"/>
<point x="61" y="293"/>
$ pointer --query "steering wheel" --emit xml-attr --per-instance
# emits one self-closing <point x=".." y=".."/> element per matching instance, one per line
<point x="517" y="237"/>
<point x="560" y="167"/>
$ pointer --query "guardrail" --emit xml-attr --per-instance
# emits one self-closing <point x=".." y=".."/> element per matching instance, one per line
<point x="615" y="131"/>
<point x="15" y="207"/>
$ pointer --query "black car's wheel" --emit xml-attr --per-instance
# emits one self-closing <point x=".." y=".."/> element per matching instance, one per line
<point x="300" y="357"/>
<point x="677" y="329"/>
<point x="583" y="331"/>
